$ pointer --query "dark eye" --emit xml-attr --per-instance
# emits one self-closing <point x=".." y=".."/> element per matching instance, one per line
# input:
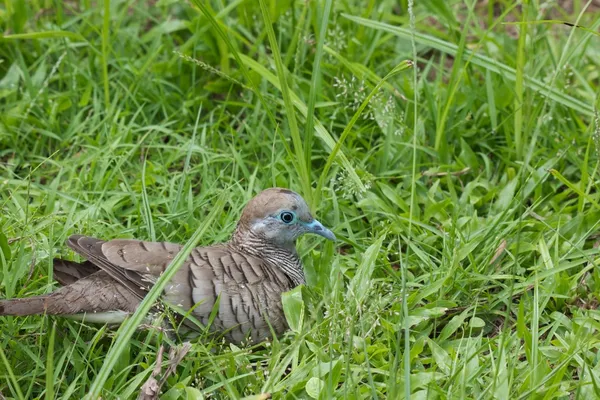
<point x="287" y="217"/>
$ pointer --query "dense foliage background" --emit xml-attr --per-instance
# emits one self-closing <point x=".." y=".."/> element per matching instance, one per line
<point x="463" y="187"/>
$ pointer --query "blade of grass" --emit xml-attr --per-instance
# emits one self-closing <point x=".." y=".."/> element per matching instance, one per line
<point x="296" y="37"/>
<point x="553" y="22"/>
<point x="455" y="79"/>
<point x="238" y="57"/>
<point x="186" y="163"/>
<point x="44" y="35"/>
<point x="246" y="62"/>
<point x="491" y="100"/>
<point x="315" y="83"/>
<point x="146" y="211"/>
<point x="50" y="364"/>
<point x="301" y="163"/>
<point x="413" y="189"/>
<point x="129" y="327"/>
<point x="105" y="44"/>
<point x="520" y="73"/>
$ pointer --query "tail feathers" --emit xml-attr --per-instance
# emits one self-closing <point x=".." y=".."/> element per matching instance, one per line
<point x="38" y="305"/>
<point x="21" y="307"/>
<point x="66" y="273"/>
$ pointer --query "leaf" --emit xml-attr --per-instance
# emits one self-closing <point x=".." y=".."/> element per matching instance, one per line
<point x="11" y="79"/>
<point x="422" y="314"/>
<point x="502" y="390"/>
<point x="552" y="22"/>
<point x="476" y="322"/>
<point x="441" y="357"/>
<point x="420" y="379"/>
<point x="453" y="325"/>
<point x="467" y="155"/>
<point x="506" y="196"/>
<point x="172" y="394"/>
<point x="300" y="161"/>
<point x="429" y="312"/>
<point x="393" y="196"/>
<point x="165" y="28"/>
<point x="417" y="348"/>
<point x="293" y="308"/>
<point x="412" y="320"/>
<point x="313" y="387"/>
<point x="193" y="394"/>
<point x="323" y="367"/>
<point x="4" y="247"/>
<point x="360" y="284"/>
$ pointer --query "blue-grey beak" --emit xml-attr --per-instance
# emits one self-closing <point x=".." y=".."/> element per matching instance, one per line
<point x="318" y="229"/>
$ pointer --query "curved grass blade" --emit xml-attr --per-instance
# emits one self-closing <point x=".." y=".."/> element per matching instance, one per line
<point x="129" y="327"/>
<point x="289" y="108"/>
<point x="553" y="22"/>
<point x="315" y="83"/>
<point x="44" y="35"/>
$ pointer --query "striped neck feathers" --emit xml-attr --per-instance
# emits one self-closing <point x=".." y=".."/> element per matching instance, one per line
<point x="283" y="257"/>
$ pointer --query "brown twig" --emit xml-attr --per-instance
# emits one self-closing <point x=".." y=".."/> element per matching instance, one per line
<point x="151" y="389"/>
<point x="176" y="355"/>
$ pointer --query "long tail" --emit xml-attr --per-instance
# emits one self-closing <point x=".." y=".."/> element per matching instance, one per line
<point x="27" y="306"/>
<point x="51" y="306"/>
<point x="96" y="293"/>
<point x="66" y="273"/>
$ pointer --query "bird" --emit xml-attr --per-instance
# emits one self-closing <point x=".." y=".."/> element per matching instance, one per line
<point x="243" y="279"/>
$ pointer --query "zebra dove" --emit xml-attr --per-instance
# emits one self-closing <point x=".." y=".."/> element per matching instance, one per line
<point x="249" y="273"/>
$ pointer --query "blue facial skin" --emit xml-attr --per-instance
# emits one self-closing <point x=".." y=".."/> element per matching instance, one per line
<point x="314" y="226"/>
<point x="284" y="227"/>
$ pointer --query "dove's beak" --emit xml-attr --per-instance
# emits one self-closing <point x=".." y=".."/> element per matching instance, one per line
<point x="318" y="229"/>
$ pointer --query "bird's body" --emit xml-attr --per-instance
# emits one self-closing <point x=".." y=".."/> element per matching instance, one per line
<point x="245" y="276"/>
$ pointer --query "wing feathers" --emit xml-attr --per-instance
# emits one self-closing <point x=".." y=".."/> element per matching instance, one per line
<point x="68" y="272"/>
<point x="136" y="255"/>
<point x="91" y="248"/>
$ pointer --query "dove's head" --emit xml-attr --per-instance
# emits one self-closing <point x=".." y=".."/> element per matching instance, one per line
<point x="280" y="216"/>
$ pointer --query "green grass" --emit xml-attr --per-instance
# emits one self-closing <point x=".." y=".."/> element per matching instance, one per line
<point x="464" y="192"/>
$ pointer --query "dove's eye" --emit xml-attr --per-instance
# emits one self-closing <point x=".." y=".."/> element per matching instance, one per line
<point x="287" y="217"/>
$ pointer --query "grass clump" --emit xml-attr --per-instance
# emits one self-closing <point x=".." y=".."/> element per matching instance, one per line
<point x="453" y="148"/>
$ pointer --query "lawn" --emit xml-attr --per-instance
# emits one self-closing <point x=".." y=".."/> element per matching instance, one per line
<point x="453" y="148"/>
